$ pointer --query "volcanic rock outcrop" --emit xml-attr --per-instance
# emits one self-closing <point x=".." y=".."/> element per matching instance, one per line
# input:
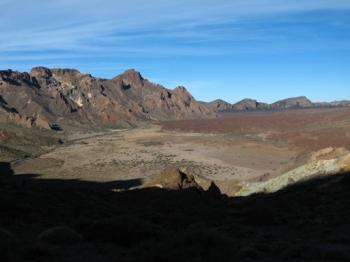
<point x="67" y="97"/>
<point x="173" y="178"/>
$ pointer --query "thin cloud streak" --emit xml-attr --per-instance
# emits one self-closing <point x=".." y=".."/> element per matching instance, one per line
<point x="74" y="24"/>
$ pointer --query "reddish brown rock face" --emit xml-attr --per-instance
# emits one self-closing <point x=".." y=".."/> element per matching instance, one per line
<point x="65" y="95"/>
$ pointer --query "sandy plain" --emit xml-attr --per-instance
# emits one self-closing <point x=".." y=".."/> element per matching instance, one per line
<point x="235" y="147"/>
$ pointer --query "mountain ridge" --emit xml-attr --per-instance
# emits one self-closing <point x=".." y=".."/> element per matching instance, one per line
<point x="68" y="97"/>
<point x="47" y="98"/>
<point x="249" y="104"/>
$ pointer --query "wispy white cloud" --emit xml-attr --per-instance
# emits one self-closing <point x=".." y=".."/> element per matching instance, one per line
<point x="170" y="39"/>
<point x="69" y="24"/>
<point x="51" y="31"/>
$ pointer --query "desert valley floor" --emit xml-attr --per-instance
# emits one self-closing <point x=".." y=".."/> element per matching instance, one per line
<point x="234" y="147"/>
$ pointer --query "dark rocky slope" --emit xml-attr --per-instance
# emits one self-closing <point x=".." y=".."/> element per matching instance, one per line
<point x="58" y="220"/>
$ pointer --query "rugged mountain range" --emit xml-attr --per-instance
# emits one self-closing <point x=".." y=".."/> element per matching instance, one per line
<point x="59" y="97"/>
<point x="55" y="98"/>
<point x="289" y="103"/>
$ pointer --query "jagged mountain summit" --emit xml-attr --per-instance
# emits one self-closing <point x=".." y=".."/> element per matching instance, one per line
<point x="45" y="97"/>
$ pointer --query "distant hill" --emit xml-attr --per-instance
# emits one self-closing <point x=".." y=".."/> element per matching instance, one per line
<point x="249" y="105"/>
<point x="218" y="105"/>
<point x="51" y="97"/>
<point x="289" y="103"/>
<point x="300" y="101"/>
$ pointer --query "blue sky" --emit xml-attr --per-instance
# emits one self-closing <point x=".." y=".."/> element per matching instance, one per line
<point x="263" y="49"/>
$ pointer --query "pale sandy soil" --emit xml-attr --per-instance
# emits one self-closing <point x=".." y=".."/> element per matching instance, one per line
<point x="144" y="152"/>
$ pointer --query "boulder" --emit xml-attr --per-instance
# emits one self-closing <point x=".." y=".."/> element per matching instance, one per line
<point x="61" y="235"/>
<point x="174" y="179"/>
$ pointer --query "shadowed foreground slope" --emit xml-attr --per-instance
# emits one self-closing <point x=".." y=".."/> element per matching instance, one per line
<point x="56" y="220"/>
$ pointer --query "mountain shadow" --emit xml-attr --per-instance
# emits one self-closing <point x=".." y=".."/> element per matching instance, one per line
<point x="60" y="220"/>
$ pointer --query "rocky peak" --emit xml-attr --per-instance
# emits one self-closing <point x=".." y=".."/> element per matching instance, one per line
<point x="41" y="72"/>
<point x="182" y="92"/>
<point x="248" y="100"/>
<point x="7" y="72"/>
<point x="246" y="104"/>
<point x="219" y="105"/>
<point x="131" y="76"/>
<point x="217" y="101"/>
<point x="181" y="89"/>
<point x="130" y="79"/>
<point x="16" y="78"/>
<point x="65" y="72"/>
<point x="12" y="74"/>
